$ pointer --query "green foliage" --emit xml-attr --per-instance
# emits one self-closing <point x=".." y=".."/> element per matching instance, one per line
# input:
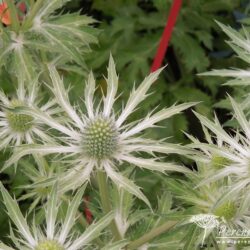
<point x="131" y="31"/>
<point x="59" y="40"/>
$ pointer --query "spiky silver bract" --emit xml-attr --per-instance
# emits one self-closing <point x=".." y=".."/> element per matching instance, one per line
<point x="239" y="42"/>
<point x="100" y="139"/>
<point x="54" y="237"/>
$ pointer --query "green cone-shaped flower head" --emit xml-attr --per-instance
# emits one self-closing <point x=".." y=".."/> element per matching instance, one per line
<point x="49" y="245"/>
<point x="100" y="138"/>
<point x="219" y="161"/>
<point x="226" y="210"/>
<point x="20" y="123"/>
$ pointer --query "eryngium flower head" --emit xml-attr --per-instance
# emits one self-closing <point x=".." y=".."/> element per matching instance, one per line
<point x="208" y="201"/>
<point x="226" y="153"/>
<point x="209" y="198"/>
<point x="101" y="139"/>
<point x="55" y="237"/>
<point x="17" y="128"/>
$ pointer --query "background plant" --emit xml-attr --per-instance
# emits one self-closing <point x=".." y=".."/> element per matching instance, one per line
<point x="131" y="31"/>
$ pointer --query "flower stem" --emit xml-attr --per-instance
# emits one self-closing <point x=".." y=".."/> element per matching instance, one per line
<point x="13" y="15"/>
<point x="106" y="205"/>
<point x="31" y="2"/>
<point x="151" y="235"/>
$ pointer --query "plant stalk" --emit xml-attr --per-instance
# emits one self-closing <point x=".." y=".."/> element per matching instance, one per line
<point x="82" y="220"/>
<point x="15" y="24"/>
<point x="106" y="205"/>
<point x="31" y="2"/>
<point x="151" y="235"/>
<point x="32" y="13"/>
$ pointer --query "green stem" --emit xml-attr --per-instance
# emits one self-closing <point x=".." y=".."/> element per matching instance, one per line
<point x="82" y="221"/>
<point x="151" y="235"/>
<point x="79" y="214"/>
<point x="106" y="205"/>
<point x="215" y="243"/>
<point x="15" y="24"/>
<point x="32" y="13"/>
<point x="44" y="65"/>
<point x="31" y="3"/>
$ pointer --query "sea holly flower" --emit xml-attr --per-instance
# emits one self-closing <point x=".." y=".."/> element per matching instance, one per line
<point x="209" y="198"/>
<point x="17" y="129"/>
<point x="228" y="153"/>
<point x="100" y="139"/>
<point x="208" y="201"/>
<point x="211" y="160"/>
<point x="55" y="235"/>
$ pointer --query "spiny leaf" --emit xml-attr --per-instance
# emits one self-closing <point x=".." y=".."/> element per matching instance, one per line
<point x="92" y="232"/>
<point x="125" y="183"/>
<point x="16" y="216"/>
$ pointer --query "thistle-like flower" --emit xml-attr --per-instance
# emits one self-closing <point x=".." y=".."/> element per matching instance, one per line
<point x="209" y="198"/>
<point x="100" y="139"/>
<point x="55" y="237"/>
<point x="226" y="153"/>
<point x="208" y="204"/>
<point x="17" y="129"/>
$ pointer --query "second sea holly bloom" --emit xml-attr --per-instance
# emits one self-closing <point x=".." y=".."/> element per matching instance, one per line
<point x="100" y="139"/>
<point x="18" y="128"/>
<point x="226" y="154"/>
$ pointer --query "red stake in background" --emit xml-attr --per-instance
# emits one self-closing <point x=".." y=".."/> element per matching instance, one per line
<point x="163" y="45"/>
<point x="87" y="212"/>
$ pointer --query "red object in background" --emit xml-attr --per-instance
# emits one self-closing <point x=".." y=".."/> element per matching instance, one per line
<point x="162" y="48"/>
<point x="5" y="13"/>
<point x="88" y="214"/>
<point x="22" y="7"/>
